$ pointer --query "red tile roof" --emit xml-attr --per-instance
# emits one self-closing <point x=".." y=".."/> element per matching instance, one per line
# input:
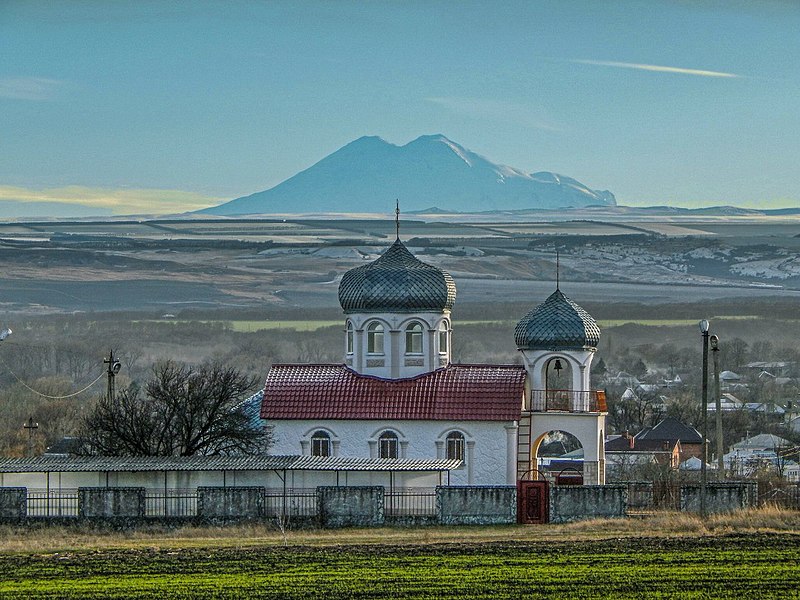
<point x="457" y="392"/>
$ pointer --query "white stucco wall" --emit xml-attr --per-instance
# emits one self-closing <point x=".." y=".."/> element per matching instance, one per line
<point x="190" y="480"/>
<point x="487" y="451"/>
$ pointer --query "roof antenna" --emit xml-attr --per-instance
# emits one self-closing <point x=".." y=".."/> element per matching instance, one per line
<point x="558" y="269"/>
<point x="397" y="219"/>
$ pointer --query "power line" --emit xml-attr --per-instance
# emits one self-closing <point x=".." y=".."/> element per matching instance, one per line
<point x="38" y="393"/>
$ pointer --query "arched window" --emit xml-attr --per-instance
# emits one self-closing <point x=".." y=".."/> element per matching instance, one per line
<point x="388" y="445"/>
<point x="375" y="338"/>
<point x="349" y="337"/>
<point x="443" y="338"/>
<point x="454" y="446"/>
<point x="320" y="444"/>
<point x="414" y="338"/>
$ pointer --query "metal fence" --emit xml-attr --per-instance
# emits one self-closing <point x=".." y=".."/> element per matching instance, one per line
<point x="410" y="502"/>
<point x="182" y="502"/>
<point x="567" y="400"/>
<point x="784" y="494"/>
<point x="55" y="503"/>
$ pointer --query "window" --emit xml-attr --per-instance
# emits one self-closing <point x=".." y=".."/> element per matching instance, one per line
<point x="349" y="337"/>
<point x="455" y="446"/>
<point x="388" y="445"/>
<point x="375" y="338"/>
<point x="414" y="339"/>
<point x="320" y="444"/>
<point x="443" y="338"/>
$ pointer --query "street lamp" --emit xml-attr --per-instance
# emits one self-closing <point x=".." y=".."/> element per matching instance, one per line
<point x="704" y="452"/>
<point x="714" y="340"/>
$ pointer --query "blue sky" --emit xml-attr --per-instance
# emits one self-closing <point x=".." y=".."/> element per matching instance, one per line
<point x="164" y="106"/>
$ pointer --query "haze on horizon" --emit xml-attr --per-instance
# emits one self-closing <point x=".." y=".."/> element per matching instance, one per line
<point x="152" y="107"/>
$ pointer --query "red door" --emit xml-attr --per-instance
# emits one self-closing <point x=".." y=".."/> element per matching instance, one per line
<point x="533" y="502"/>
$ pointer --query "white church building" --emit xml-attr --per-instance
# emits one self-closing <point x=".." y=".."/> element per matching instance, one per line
<point x="397" y="394"/>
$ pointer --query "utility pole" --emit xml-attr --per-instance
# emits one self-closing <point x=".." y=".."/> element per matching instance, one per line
<point x="704" y="454"/>
<point x="31" y="427"/>
<point x="718" y="405"/>
<point x="113" y="368"/>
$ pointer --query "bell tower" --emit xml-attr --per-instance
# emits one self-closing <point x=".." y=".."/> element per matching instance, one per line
<point x="558" y="340"/>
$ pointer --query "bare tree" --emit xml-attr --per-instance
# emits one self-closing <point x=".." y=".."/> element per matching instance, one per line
<point x="183" y="411"/>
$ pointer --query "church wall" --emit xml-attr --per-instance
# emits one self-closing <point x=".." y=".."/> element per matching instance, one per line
<point x="486" y="444"/>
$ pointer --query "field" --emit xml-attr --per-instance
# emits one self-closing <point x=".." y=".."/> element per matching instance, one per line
<point x="753" y="555"/>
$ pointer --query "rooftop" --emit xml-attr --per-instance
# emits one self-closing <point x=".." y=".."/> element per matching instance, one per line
<point x="456" y="392"/>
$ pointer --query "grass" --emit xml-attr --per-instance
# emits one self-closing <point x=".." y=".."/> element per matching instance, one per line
<point x="741" y="555"/>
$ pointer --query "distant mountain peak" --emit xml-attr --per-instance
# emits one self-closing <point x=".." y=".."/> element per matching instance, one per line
<point x="431" y="170"/>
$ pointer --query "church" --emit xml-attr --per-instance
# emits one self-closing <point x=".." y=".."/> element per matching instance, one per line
<point x="397" y="395"/>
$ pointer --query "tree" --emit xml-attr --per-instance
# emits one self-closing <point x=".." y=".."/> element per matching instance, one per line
<point x="183" y="411"/>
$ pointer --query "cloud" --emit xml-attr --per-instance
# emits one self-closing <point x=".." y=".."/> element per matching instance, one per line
<point x="119" y="201"/>
<point x="502" y="110"/>
<point x="29" y="88"/>
<point x="656" y="68"/>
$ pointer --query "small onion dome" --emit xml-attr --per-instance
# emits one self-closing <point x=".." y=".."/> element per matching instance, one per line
<point x="397" y="282"/>
<point x="557" y="324"/>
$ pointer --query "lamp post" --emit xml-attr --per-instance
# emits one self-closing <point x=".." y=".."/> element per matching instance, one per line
<point x="704" y="452"/>
<point x="714" y="340"/>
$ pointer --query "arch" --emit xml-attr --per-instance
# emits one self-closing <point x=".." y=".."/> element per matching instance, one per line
<point x="375" y="337"/>
<point x="558" y="373"/>
<point x="556" y="437"/>
<point x="414" y="338"/>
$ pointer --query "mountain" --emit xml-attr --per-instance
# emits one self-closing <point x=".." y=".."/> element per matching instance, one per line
<point x="368" y="174"/>
<point x="16" y="209"/>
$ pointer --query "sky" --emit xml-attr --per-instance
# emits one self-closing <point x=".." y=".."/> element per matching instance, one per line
<point x="160" y="107"/>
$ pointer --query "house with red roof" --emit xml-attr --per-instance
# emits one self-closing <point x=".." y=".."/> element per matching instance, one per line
<point x="397" y="395"/>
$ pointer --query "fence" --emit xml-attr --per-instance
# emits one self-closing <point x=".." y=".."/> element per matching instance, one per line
<point x="182" y="502"/>
<point x="410" y="502"/>
<point x="567" y="400"/>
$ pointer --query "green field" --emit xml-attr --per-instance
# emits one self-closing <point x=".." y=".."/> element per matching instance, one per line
<point x="729" y="566"/>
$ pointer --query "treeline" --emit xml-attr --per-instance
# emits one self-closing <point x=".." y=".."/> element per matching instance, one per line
<point x="50" y="357"/>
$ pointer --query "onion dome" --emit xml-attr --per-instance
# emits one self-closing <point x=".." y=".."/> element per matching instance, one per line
<point x="557" y="324"/>
<point x="397" y="282"/>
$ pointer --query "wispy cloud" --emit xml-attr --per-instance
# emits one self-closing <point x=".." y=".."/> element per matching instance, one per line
<point x="501" y="110"/>
<point x="29" y="88"/>
<point x="655" y="68"/>
<point x="120" y="201"/>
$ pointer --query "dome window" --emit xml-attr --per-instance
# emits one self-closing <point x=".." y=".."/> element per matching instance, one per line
<point x="414" y="338"/>
<point x="349" y="337"/>
<point x="443" y="338"/>
<point x="375" y="338"/>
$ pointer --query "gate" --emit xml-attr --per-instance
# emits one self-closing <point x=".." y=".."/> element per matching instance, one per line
<point x="533" y="502"/>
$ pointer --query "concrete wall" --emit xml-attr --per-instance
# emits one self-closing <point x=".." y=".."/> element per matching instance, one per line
<point x="13" y="503"/>
<point x="487" y="453"/>
<point x="350" y="506"/>
<point x="720" y="497"/>
<point x="237" y="502"/>
<point x="476" y="505"/>
<point x="575" y="503"/>
<point x="111" y="502"/>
